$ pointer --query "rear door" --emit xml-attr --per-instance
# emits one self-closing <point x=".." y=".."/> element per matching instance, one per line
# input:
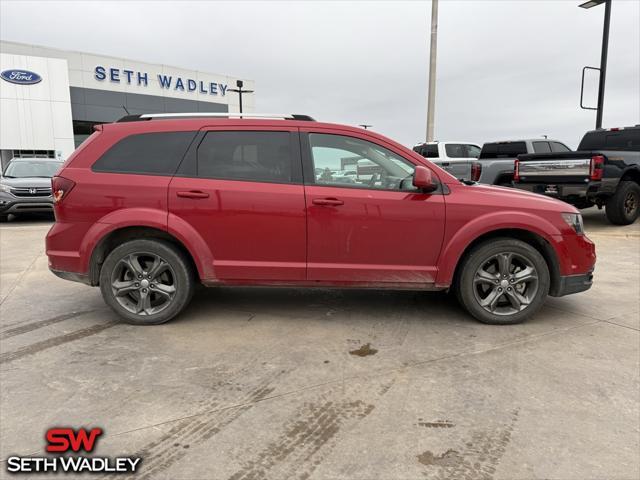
<point x="241" y="190"/>
<point x="375" y="229"/>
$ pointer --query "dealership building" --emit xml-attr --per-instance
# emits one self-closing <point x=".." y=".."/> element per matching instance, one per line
<point x="50" y="99"/>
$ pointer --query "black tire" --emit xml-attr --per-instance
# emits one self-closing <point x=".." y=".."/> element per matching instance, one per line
<point x="4" y="218"/>
<point x="175" y="273"/>
<point x="471" y="286"/>
<point x="623" y="206"/>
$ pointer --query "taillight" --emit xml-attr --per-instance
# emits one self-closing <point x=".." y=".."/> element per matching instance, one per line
<point x="597" y="167"/>
<point x="476" y="170"/>
<point x="516" y="171"/>
<point x="60" y="188"/>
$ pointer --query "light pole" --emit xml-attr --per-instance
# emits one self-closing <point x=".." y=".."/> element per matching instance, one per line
<point x="240" y="91"/>
<point x="603" y="54"/>
<point x="431" y="99"/>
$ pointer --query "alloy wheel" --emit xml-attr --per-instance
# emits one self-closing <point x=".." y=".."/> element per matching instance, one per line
<point x="630" y="203"/>
<point x="143" y="283"/>
<point x="505" y="284"/>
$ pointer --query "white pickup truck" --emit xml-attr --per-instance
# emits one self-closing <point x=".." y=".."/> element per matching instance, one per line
<point x="457" y="158"/>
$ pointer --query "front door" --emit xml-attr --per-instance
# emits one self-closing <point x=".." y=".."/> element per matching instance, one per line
<point x="371" y="226"/>
<point x="241" y="191"/>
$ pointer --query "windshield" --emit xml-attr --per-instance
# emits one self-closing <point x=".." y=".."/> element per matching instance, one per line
<point x="31" y="168"/>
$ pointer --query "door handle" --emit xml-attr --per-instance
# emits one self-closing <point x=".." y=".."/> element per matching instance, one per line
<point x="334" y="202"/>
<point x="193" y="194"/>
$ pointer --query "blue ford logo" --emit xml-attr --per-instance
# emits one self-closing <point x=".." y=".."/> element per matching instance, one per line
<point x="22" y="77"/>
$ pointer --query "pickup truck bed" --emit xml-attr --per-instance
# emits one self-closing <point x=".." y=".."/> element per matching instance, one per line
<point x="607" y="176"/>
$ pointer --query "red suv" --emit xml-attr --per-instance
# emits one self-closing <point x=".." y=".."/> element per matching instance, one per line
<point x="152" y="204"/>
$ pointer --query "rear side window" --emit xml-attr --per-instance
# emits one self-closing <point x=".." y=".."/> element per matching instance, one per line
<point x="621" y="140"/>
<point x="503" y="150"/>
<point x="427" y="151"/>
<point x="541" y="147"/>
<point x="455" y="150"/>
<point x="251" y="156"/>
<point x="146" y="153"/>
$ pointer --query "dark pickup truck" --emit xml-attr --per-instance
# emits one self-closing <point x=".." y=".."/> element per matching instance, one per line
<point x="604" y="171"/>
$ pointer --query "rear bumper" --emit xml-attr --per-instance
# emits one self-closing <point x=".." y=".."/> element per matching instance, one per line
<point x="74" y="277"/>
<point x="564" y="190"/>
<point x="573" y="284"/>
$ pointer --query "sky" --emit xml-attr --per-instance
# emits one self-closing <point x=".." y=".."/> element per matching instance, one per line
<point x="505" y="68"/>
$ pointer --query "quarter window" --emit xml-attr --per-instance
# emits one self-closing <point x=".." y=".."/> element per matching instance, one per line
<point x="157" y="153"/>
<point x="350" y="162"/>
<point x="252" y="156"/>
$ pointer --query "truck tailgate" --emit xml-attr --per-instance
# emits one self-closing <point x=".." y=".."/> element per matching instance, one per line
<point x="574" y="170"/>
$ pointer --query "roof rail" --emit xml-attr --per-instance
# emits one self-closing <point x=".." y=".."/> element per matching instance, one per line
<point x="150" y="116"/>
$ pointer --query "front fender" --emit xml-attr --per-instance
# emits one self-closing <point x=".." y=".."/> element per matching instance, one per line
<point x="455" y="247"/>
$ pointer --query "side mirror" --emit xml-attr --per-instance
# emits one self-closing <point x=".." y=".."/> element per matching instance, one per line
<point x="423" y="179"/>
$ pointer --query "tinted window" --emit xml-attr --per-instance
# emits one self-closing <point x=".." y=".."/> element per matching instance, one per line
<point x="428" y="151"/>
<point x="461" y="150"/>
<point x="541" y="147"/>
<point x="148" y="153"/>
<point x="624" y="140"/>
<point x="351" y="162"/>
<point x="503" y="150"/>
<point x="474" y="151"/>
<point x="253" y="156"/>
<point x="559" y="147"/>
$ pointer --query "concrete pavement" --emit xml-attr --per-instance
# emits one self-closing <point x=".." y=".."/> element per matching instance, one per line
<point x="260" y="383"/>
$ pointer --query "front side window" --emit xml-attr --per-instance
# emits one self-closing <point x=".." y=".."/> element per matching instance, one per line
<point x="559" y="147"/>
<point x="474" y="151"/>
<point x="461" y="150"/>
<point x="541" y="147"/>
<point x="148" y="153"/>
<point x="246" y="155"/>
<point x="346" y="161"/>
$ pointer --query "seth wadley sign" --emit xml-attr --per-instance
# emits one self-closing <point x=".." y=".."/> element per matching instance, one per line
<point x="168" y="82"/>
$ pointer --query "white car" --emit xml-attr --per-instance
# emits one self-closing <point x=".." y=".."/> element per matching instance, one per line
<point x="457" y="158"/>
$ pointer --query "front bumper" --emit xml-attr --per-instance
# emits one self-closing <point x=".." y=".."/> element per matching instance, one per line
<point x="573" y="284"/>
<point x="16" y="205"/>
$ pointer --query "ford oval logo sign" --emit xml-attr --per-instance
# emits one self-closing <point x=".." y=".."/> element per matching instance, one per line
<point x="21" y="77"/>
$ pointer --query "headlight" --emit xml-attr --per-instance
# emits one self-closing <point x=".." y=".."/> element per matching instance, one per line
<point x="5" y="188"/>
<point x="574" y="220"/>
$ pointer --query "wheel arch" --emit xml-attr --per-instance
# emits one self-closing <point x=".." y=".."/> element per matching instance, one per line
<point x="527" y="236"/>
<point x="118" y="236"/>
<point x="632" y="174"/>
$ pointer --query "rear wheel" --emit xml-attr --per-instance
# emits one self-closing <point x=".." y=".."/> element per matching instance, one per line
<point x="623" y="207"/>
<point x="503" y="281"/>
<point x="146" y="282"/>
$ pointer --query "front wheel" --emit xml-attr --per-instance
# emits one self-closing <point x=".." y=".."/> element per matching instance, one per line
<point x="503" y="281"/>
<point x="147" y="281"/>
